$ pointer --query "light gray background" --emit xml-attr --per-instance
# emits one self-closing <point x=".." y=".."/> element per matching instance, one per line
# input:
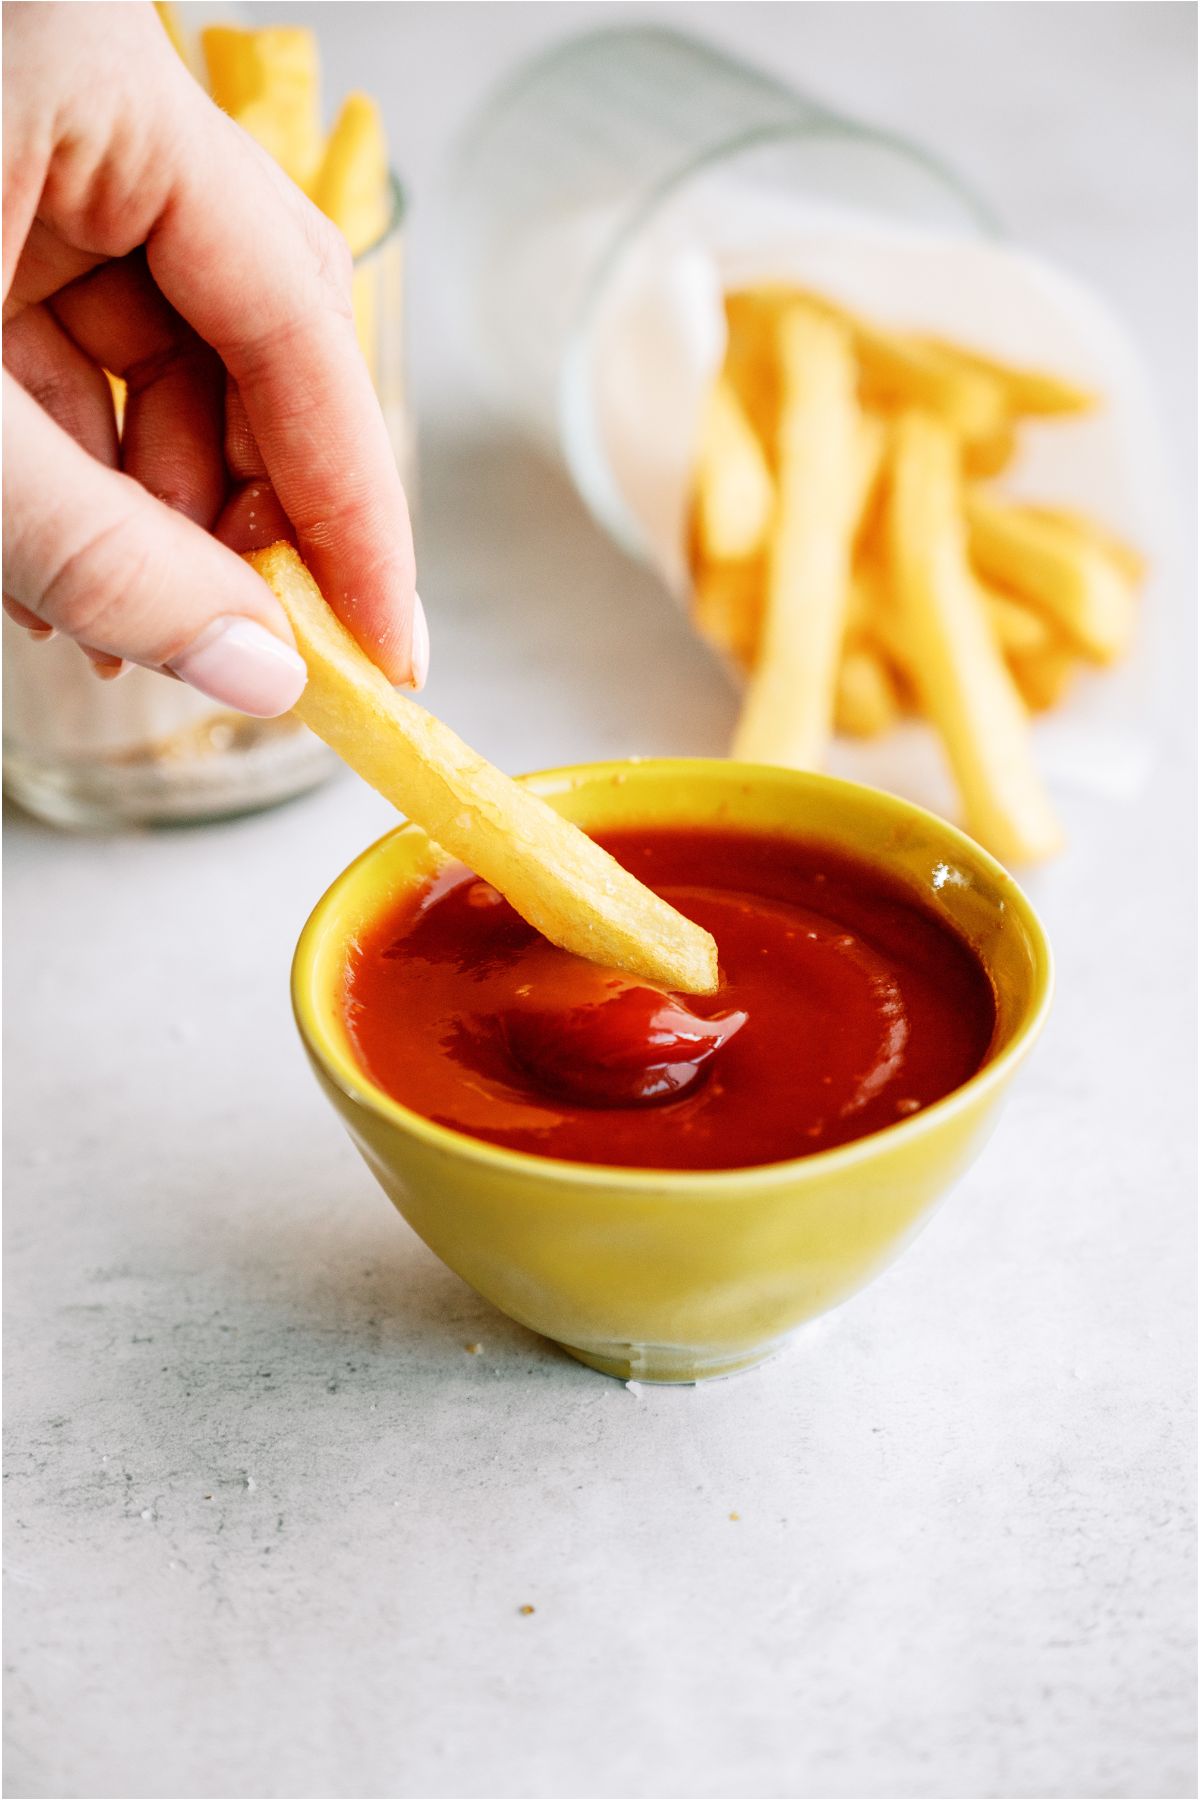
<point x="269" y="1524"/>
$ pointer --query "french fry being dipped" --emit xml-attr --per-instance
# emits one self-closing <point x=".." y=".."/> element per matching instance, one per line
<point x="825" y="466"/>
<point x="556" y="877"/>
<point x="963" y="683"/>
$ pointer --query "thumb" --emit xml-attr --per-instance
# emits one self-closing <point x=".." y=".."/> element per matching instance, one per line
<point x="92" y="553"/>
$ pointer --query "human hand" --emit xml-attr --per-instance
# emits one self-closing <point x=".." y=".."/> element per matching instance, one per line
<point x="147" y="235"/>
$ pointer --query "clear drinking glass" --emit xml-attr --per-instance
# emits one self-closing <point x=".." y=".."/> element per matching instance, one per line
<point x="146" y="750"/>
<point x="575" y="165"/>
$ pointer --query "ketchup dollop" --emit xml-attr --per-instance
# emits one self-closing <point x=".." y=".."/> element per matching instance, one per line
<point x="846" y="1005"/>
<point x="631" y="1046"/>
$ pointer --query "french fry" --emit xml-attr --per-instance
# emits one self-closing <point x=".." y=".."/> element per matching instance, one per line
<point x="870" y="464"/>
<point x="735" y="495"/>
<point x="1020" y="630"/>
<point x="1032" y="393"/>
<point x="557" y="878"/>
<point x="1045" y="677"/>
<point x="991" y="455"/>
<point x="874" y="621"/>
<point x="351" y="185"/>
<point x="788" y="713"/>
<point x="233" y="64"/>
<point x="353" y="188"/>
<point x="727" y="606"/>
<point x="118" y="389"/>
<point x="269" y="81"/>
<point x="899" y="371"/>
<point x="896" y="370"/>
<point x="1123" y="555"/>
<point x="1055" y="568"/>
<point x="964" y="684"/>
<point x="752" y="318"/>
<point x="866" y="702"/>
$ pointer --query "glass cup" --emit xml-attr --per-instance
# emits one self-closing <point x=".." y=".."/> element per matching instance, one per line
<point x="145" y="750"/>
<point x="624" y="145"/>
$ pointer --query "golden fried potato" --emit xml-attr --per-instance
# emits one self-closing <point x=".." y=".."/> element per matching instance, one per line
<point x="352" y="186"/>
<point x="1031" y="393"/>
<point x="1055" y="568"/>
<point x="964" y="684"/>
<point x="557" y="878"/>
<point x="788" y="712"/>
<point x="867" y="702"/>
<point x="735" y="495"/>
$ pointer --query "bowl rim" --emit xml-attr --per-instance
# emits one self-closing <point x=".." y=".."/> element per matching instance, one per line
<point x="361" y="1091"/>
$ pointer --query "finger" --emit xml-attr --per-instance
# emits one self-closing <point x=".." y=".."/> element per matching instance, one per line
<point x="21" y="615"/>
<point x="106" y="667"/>
<point x="65" y="382"/>
<point x="47" y="263"/>
<point x="253" y="516"/>
<point x="243" y="458"/>
<point x="284" y="329"/>
<point x="91" y="552"/>
<point x="174" y="404"/>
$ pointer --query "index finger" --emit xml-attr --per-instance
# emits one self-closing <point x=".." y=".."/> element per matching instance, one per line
<point x="265" y="279"/>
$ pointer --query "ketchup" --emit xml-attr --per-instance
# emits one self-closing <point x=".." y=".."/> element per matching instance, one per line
<point x="845" y="1006"/>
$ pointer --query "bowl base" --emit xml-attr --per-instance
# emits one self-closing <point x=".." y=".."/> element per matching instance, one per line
<point x="665" y="1365"/>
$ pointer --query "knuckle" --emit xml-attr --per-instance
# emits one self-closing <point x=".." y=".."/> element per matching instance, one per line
<point x="88" y="593"/>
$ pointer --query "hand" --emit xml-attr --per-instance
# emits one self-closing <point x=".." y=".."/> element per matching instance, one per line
<point x="147" y="235"/>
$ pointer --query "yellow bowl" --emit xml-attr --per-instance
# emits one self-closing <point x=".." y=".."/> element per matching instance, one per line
<point x="676" y="1276"/>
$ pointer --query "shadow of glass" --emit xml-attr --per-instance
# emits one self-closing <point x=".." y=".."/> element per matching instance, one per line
<point x="550" y="645"/>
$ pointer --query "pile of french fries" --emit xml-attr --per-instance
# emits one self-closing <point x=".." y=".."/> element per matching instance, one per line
<point x="269" y="80"/>
<point x="848" y="554"/>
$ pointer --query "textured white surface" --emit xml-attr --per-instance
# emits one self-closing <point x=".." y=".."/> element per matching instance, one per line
<point x="270" y="1524"/>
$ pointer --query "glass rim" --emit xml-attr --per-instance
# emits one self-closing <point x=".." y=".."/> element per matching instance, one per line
<point x="575" y="425"/>
<point x="397" y="215"/>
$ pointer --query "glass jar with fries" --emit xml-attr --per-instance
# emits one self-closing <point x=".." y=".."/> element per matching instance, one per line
<point x="781" y="355"/>
<point x="83" y="753"/>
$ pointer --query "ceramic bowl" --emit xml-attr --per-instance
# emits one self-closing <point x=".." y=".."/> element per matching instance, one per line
<point x="678" y="1276"/>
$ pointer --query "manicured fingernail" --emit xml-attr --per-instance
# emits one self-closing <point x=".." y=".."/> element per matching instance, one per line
<point x="111" y="671"/>
<point x="420" y="645"/>
<point x="41" y="634"/>
<point x="245" y="666"/>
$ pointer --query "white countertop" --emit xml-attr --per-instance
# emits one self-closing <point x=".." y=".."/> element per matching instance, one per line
<point x="270" y="1525"/>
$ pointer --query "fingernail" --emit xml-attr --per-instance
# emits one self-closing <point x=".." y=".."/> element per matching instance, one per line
<point x="420" y="646"/>
<point x="245" y="666"/>
<point x="41" y="634"/>
<point x="111" y="671"/>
